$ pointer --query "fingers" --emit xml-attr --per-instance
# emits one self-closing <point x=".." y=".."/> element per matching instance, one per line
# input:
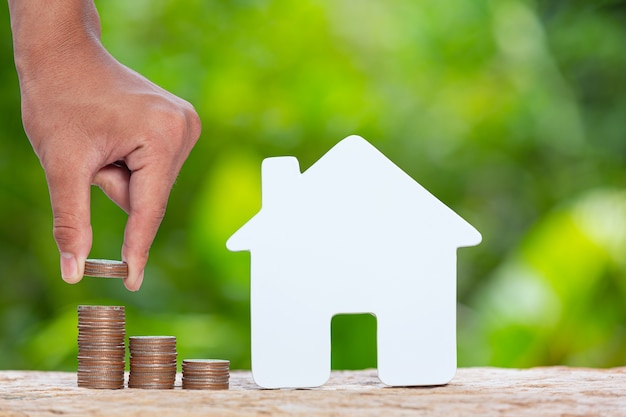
<point x="74" y="239"/>
<point x="149" y="190"/>
<point x="155" y="166"/>
<point x="69" y="196"/>
<point x="143" y="220"/>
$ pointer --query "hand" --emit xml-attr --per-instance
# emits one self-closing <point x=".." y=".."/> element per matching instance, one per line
<point x="84" y="112"/>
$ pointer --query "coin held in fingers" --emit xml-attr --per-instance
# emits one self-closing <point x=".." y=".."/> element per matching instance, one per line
<point x="105" y="268"/>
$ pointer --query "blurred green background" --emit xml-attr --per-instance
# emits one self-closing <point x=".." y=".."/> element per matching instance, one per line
<point x="512" y="112"/>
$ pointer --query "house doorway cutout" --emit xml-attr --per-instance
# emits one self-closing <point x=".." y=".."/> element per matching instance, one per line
<point x="353" y="341"/>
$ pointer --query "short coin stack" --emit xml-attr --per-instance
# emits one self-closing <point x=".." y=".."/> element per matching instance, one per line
<point x="105" y="268"/>
<point x="152" y="362"/>
<point x="101" y="348"/>
<point x="206" y="374"/>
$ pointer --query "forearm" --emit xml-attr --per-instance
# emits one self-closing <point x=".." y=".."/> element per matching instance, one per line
<point x="45" y="32"/>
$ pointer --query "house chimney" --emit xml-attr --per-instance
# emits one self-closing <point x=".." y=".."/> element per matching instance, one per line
<point x="278" y="177"/>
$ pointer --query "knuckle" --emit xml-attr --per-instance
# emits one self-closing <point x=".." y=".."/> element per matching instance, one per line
<point x="178" y="121"/>
<point x="157" y="214"/>
<point x="169" y="131"/>
<point x="65" y="231"/>
<point x="175" y="123"/>
<point x="195" y="126"/>
<point x="170" y="122"/>
<point x="151" y="214"/>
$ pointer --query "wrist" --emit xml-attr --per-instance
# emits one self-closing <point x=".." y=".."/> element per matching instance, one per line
<point x="47" y="33"/>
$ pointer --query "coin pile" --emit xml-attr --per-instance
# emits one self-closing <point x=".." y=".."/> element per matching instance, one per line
<point x="101" y="348"/>
<point x="152" y="362"/>
<point x="105" y="268"/>
<point x="206" y="374"/>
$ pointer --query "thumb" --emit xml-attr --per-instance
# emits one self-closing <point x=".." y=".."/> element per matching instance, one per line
<point x="70" y="198"/>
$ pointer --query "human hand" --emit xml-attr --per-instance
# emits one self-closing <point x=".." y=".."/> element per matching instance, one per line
<point x="84" y="112"/>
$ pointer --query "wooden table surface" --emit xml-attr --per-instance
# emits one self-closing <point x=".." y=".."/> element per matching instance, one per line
<point x="550" y="391"/>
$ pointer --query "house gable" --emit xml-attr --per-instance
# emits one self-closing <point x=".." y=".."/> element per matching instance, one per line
<point x="359" y="189"/>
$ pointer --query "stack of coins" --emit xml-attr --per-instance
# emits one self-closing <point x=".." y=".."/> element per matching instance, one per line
<point x="105" y="268"/>
<point x="206" y="374"/>
<point x="101" y="348"/>
<point x="152" y="362"/>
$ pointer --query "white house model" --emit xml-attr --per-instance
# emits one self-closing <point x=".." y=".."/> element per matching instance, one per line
<point x="352" y="234"/>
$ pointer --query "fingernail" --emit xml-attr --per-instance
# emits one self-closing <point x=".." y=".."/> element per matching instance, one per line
<point x="69" y="267"/>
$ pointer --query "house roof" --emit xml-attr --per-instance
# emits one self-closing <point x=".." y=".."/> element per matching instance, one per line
<point x="351" y="192"/>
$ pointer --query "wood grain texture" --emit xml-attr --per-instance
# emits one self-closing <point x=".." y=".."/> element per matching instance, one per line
<point x="550" y="391"/>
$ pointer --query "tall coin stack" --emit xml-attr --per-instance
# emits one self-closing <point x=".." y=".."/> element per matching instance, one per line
<point x="101" y="348"/>
<point x="152" y="362"/>
<point x="206" y="374"/>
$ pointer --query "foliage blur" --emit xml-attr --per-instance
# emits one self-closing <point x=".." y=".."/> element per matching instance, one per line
<point x="512" y="112"/>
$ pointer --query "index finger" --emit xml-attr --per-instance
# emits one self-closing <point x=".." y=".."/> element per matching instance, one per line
<point x="149" y="190"/>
